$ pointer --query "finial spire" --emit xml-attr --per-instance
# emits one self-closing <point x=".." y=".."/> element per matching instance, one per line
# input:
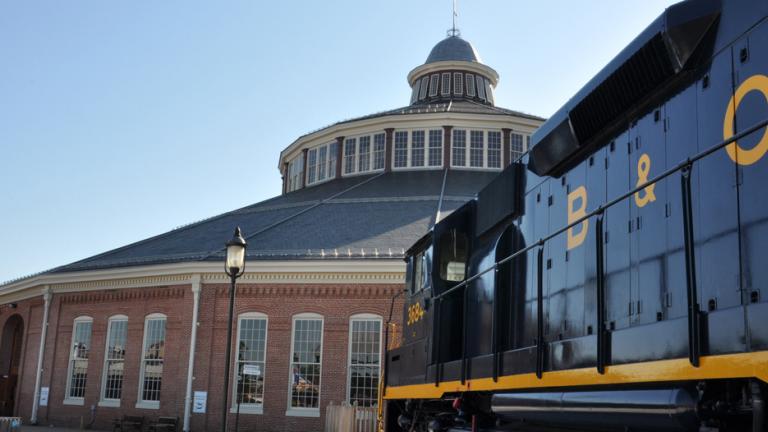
<point x="454" y="31"/>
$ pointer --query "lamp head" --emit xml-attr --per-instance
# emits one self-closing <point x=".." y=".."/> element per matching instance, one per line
<point x="235" y="263"/>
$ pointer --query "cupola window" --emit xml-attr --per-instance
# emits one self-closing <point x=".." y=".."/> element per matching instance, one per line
<point x="417" y="148"/>
<point x="494" y="149"/>
<point x="484" y="149"/>
<point x="433" y="82"/>
<point x="515" y="147"/>
<point x="458" y="83"/>
<point x="470" y="85"/>
<point x="364" y="160"/>
<point x="445" y="86"/>
<point x="379" y="149"/>
<point x="480" y="87"/>
<point x="321" y="163"/>
<point x="423" y="90"/>
<point x="435" y="147"/>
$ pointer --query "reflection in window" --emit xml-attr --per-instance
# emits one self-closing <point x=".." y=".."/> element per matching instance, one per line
<point x="476" y="148"/>
<point x="435" y="147"/>
<point x="250" y="361"/>
<point x="349" y="155"/>
<point x="459" y="148"/>
<point x="401" y="149"/>
<point x="453" y="248"/>
<point x="433" y="81"/>
<point x="379" y="149"/>
<point x="516" y="146"/>
<point x="306" y="362"/>
<point x="78" y="357"/>
<point x="364" y="359"/>
<point x="417" y="148"/>
<point x="114" y="360"/>
<point x="152" y="358"/>
<point x="311" y="174"/>
<point x="494" y="149"/>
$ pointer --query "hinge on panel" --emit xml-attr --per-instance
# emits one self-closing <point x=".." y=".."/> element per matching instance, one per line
<point x="667" y="210"/>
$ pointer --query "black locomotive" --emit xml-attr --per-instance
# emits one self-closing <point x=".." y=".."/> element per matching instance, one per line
<point x="614" y="278"/>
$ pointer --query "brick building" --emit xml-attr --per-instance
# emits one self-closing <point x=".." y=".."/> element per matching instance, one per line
<point x="141" y="330"/>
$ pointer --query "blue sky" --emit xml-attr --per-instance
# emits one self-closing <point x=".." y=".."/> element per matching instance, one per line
<point x="123" y="120"/>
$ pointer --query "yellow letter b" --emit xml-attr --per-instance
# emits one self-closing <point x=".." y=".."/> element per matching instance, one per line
<point x="574" y="214"/>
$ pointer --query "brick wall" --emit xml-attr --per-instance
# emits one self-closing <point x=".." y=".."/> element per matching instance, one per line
<point x="279" y="302"/>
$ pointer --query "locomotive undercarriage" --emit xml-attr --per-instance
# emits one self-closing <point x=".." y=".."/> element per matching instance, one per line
<point x="705" y="406"/>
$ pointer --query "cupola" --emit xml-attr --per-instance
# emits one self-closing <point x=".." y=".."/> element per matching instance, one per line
<point x="453" y="71"/>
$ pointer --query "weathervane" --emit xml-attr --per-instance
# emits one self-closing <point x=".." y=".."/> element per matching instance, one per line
<point x="454" y="31"/>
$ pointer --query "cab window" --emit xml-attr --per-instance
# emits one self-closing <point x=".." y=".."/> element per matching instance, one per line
<point x="453" y="248"/>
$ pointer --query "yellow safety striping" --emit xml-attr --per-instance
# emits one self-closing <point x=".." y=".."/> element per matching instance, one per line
<point x="744" y="365"/>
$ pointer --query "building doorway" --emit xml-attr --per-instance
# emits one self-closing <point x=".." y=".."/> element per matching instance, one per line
<point x="10" y="358"/>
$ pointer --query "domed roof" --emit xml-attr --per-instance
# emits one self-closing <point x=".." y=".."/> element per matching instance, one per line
<point x="453" y="48"/>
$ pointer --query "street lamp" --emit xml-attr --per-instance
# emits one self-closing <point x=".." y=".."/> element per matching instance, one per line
<point x="234" y="267"/>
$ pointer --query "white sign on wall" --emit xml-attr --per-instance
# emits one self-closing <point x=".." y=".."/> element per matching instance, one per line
<point x="251" y="369"/>
<point x="199" y="401"/>
<point x="44" y="396"/>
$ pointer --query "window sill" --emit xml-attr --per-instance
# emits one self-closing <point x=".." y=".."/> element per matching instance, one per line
<point x="109" y="403"/>
<point x="302" y="412"/>
<point x="74" y="401"/>
<point x="148" y="404"/>
<point x="247" y="409"/>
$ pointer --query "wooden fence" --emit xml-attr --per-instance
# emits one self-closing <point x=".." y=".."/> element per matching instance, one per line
<point x="350" y="418"/>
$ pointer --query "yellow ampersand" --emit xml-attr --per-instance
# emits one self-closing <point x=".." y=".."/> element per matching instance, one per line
<point x="646" y="195"/>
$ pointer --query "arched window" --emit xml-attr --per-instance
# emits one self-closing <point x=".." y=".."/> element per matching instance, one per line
<point x="152" y="361"/>
<point x="114" y="361"/>
<point x="364" y="359"/>
<point x="250" y="363"/>
<point x="306" y="365"/>
<point x="79" y="352"/>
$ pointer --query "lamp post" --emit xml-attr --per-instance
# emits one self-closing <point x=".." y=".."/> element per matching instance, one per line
<point x="234" y="267"/>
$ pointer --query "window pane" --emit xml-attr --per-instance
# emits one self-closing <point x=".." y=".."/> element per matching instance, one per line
<point x="470" y="85"/>
<point x="516" y="146"/>
<point x="433" y="81"/>
<point x="423" y="90"/>
<point x="476" y="149"/>
<point x="251" y="351"/>
<point x="81" y="347"/>
<point x="417" y="148"/>
<point x="333" y="150"/>
<point x="480" y="87"/>
<point x="306" y="363"/>
<point x="312" y="166"/>
<point x="379" y="149"/>
<point x="349" y="155"/>
<point x="401" y="149"/>
<point x="435" y="147"/>
<point x="445" y="85"/>
<point x="459" y="148"/>
<point x="114" y="362"/>
<point x="415" y="92"/>
<point x="494" y="149"/>
<point x="364" y="159"/>
<point x="365" y="354"/>
<point x="152" y="361"/>
<point x="321" y="159"/>
<point x="458" y="83"/>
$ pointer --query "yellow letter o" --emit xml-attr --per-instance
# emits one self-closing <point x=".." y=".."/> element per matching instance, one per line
<point x="750" y="156"/>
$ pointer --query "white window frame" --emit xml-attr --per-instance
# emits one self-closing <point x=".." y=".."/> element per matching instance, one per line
<point x="328" y="155"/>
<point x="434" y="84"/>
<point x="511" y="144"/>
<point x="371" y="154"/>
<point x="468" y="149"/>
<point x="103" y="400"/>
<point x="488" y="148"/>
<point x="68" y="400"/>
<point x="250" y="408"/>
<point x="409" y="151"/>
<point x="363" y="317"/>
<point x="458" y="83"/>
<point x="470" y="84"/>
<point x="445" y="87"/>
<point x="140" y="402"/>
<point x="302" y="411"/>
<point x="429" y="147"/>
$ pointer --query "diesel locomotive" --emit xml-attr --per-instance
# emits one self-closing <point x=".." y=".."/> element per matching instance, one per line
<point x="614" y="277"/>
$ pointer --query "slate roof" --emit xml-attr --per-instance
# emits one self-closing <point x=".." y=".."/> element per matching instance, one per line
<point x="453" y="48"/>
<point x="371" y="216"/>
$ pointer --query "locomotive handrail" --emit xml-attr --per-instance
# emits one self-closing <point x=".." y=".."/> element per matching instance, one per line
<point x="601" y="209"/>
